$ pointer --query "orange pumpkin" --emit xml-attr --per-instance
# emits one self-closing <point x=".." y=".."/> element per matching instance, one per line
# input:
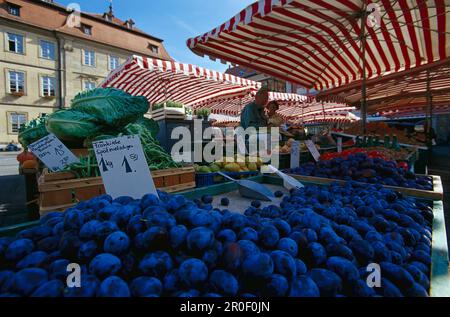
<point x="25" y="156"/>
<point x="30" y="164"/>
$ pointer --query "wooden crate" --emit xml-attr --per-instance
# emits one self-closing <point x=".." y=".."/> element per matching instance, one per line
<point x="436" y="194"/>
<point x="80" y="152"/>
<point x="59" y="191"/>
<point x="169" y="113"/>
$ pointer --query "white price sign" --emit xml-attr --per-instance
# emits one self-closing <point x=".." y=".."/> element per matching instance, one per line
<point x="339" y="145"/>
<point x="123" y="167"/>
<point x="295" y="154"/>
<point x="313" y="150"/>
<point x="242" y="150"/>
<point x="53" y="153"/>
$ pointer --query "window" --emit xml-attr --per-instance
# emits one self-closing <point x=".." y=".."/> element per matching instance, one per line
<point x="89" y="85"/>
<point x="15" y="43"/>
<point x="87" y="29"/>
<point x="47" y="49"/>
<point x="153" y="48"/>
<point x="274" y="85"/>
<point x="89" y="58"/>
<point x="48" y="85"/>
<point x="16" y="82"/>
<point x="113" y="62"/>
<point x="14" y="9"/>
<point x="16" y="121"/>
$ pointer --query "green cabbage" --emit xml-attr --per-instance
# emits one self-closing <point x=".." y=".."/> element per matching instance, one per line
<point x="110" y="107"/>
<point x="72" y="125"/>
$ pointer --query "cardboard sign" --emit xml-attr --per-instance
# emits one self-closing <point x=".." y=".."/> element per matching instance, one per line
<point x="339" y="145"/>
<point x="295" y="154"/>
<point x="53" y="153"/>
<point x="313" y="150"/>
<point x="123" y="167"/>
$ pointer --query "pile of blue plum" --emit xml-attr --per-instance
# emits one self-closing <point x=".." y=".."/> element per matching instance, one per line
<point x="361" y="168"/>
<point x="319" y="241"/>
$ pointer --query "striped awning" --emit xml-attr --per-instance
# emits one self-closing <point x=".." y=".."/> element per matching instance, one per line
<point x="340" y="117"/>
<point x="292" y="106"/>
<point x="234" y="106"/>
<point x="317" y="43"/>
<point x="402" y="91"/>
<point x="416" y="112"/>
<point x="191" y="85"/>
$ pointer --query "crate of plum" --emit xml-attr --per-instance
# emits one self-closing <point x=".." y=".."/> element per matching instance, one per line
<point x="360" y="167"/>
<point x="315" y="241"/>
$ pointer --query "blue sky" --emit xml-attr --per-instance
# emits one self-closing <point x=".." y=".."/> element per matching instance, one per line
<point x="174" y="21"/>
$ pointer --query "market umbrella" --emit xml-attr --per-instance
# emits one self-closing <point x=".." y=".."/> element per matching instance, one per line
<point x="323" y="44"/>
<point x="191" y="85"/>
<point x="234" y="106"/>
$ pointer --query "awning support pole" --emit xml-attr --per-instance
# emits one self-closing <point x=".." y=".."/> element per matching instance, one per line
<point x="364" y="75"/>
<point x="429" y="111"/>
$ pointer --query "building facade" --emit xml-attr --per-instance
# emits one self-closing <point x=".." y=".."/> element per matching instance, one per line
<point x="48" y="54"/>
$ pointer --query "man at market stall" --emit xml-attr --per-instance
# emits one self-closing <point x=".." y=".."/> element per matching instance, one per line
<point x="253" y="114"/>
<point x="275" y="120"/>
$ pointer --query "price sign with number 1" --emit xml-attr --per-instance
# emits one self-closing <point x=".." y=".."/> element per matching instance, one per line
<point x="123" y="167"/>
<point x="55" y="155"/>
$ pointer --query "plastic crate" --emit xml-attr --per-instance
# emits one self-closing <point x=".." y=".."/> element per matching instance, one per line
<point x="208" y="179"/>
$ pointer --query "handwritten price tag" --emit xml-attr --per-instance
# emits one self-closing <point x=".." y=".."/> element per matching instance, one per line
<point x="123" y="167"/>
<point x="339" y="145"/>
<point x="313" y="150"/>
<point x="53" y="153"/>
<point x="295" y="154"/>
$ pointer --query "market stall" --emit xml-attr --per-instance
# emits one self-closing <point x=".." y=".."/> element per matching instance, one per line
<point x="328" y="44"/>
<point x="190" y="85"/>
<point x="265" y="236"/>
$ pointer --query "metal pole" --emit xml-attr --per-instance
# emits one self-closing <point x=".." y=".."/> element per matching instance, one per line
<point x="364" y="75"/>
<point x="430" y="111"/>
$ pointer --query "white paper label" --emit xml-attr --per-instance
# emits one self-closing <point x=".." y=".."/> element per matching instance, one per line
<point x="313" y="150"/>
<point x="339" y="145"/>
<point x="295" y="154"/>
<point x="53" y="153"/>
<point x="241" y="146"/>
<point x="123" y="167"/>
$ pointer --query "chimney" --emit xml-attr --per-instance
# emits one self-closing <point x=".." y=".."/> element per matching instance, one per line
<point x="129" y="23"/>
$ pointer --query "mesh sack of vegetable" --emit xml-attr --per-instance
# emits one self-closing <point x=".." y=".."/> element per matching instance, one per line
<point x="33" y="131"/>
<point x="72" y="125"/>
<point x="110" y="107"/>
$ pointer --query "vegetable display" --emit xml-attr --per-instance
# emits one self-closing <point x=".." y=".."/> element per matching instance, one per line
<point x="101" y="114"/>
<point x="167" y="104"/>
<point x="384" y="129"/>
<point x="346" y="153"/>
<point x="97" y="111"/>
<point x="25" y="156"/>
<point x="203" y="113"/>
<point x="155" y="155"/>
<point x="318" y="241"/>
<point x="33" y="131"/>
<point x="367" y="169"/>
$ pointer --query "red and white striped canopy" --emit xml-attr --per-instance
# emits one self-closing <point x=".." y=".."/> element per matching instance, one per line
<point x="416" y="112"/>
<point x="316" y="43"/>
<point x="191" y="85"/>
<point x="341" y="117"/>
<point x="234" y="106"/>
<point x="292" y="106"/>
<point x="402" y="92"/>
